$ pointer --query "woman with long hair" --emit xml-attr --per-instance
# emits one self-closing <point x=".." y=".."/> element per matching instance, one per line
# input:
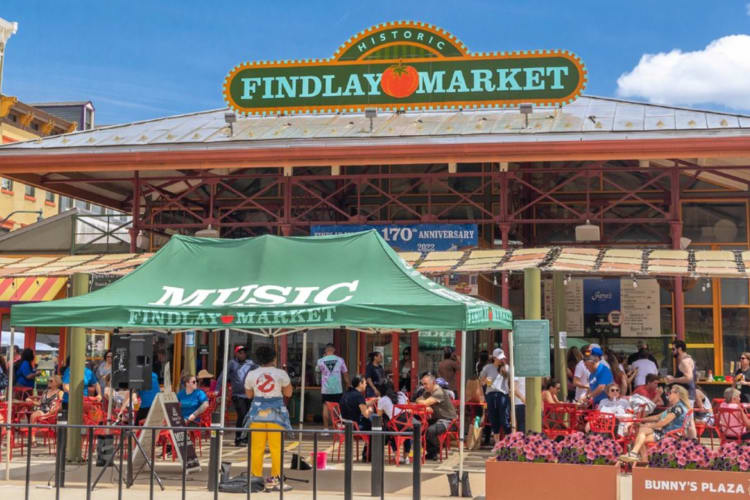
<point x="25" y="373"/>
<point x="657" y="426"/>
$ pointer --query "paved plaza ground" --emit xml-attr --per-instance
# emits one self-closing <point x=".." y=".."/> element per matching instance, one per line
<point x="397" y="481"/>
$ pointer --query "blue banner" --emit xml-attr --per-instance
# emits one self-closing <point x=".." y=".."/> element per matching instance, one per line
<point x="413" y="237"/>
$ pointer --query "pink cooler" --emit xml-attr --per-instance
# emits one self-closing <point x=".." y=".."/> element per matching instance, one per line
<point x="321" y="459"/>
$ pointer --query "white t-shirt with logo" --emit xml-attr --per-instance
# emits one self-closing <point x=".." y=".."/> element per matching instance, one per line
<point x="267" y="381"/>
<point x="582" y="373"/>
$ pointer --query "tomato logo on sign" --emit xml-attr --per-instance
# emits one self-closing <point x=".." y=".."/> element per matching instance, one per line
<point x="399" y="80"/>
<point x="265" y="383"/>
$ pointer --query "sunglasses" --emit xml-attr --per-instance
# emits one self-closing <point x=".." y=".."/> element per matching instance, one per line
<point x="192" y="381"/>
<point x="743" y="357"/>
<point x="614" y="390"/>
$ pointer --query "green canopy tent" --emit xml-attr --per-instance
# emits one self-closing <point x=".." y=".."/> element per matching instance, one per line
<point x="272" y="285"/>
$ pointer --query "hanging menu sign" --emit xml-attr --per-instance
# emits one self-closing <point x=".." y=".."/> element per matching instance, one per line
<point x="405" y="65"/>
<point x="640" y="308"/>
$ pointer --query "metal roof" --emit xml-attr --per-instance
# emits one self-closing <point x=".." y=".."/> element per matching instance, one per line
<point x="589" y="118"/>
<point x="572" y="260"/>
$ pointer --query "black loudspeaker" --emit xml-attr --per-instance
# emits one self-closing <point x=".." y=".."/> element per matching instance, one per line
<point x="132" y="360"/>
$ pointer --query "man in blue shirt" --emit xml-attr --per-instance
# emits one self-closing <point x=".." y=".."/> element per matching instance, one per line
<point x="600" y="377"/>
<point x="147" y="398"/>
<point x="89" y="380"/>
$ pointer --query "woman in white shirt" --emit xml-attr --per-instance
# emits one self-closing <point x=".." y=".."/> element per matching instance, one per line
<point x="387" y="407"/>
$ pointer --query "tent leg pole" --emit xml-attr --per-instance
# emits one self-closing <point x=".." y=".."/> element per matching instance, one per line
<point x="8" y="449"/>
<point x="302" y="385"/>
<point x="462" y="415"/>
<point x="223" y="405"/>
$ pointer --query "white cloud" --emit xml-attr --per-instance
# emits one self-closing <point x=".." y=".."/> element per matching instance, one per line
<point x="717" y="74"/>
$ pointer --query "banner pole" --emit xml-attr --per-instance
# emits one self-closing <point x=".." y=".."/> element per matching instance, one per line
<point x="223" y="405"/>
<point x="8" y="420"/>
<point x="512" y="382"/>
<point x="462" y="415"/>
<point x="302" y="385"/>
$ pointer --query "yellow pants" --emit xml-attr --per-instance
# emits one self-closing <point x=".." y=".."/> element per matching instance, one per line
<point x="258" y="447"/>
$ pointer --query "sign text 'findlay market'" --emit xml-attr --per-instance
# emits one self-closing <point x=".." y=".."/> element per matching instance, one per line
<point x="405" y="65"/>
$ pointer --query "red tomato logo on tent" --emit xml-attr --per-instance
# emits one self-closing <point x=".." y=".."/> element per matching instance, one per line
<point x="265" y="383"/>
<point x="399" y="80"/>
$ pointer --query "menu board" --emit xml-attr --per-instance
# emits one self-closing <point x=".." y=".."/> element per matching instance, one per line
<point x="609" y="307"/>
<point x="531" y="348"/>
<point x="573" y="305"/>
<point x="640" y="308"/>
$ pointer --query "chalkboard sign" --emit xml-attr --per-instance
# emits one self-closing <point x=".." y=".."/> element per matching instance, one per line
<point x="166" y="408"/>
<point x="531" y="347"/>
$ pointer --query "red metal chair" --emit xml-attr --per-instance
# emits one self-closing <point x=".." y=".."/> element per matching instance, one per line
<point x="559" y="419"/>
<point x="337" y="421"/>
<point x="401" y="424"/>
<point x="729" y="424"/>
<point x="451" y="435"/>
<point x="607" y="423"/>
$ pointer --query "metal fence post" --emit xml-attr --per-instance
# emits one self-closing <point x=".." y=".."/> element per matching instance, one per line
<point x="28" y="463"/>
<point x="348" y="452"/>
<point x="89" y="462"/>
<point x="315" y="465"/>
<point x="376" y="457"/>
<point x="416" y="446"/>
<point x="153" y="466"/>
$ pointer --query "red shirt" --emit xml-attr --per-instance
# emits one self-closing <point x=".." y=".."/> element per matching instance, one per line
<point x="643" y="390"/>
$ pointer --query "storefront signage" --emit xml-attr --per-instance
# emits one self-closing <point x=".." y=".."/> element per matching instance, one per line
<point x="405" y="65"/>
<point x="413" y="237"/>
<point x="609" y="307"/>
<point x="531" y="347"/>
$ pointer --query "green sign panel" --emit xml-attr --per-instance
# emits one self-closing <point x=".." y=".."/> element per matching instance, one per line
<point x="405" y="66"/>
<point x="531" y="347"/>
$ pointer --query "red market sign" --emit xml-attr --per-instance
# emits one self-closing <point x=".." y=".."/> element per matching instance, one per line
<point x="405" y="66"/>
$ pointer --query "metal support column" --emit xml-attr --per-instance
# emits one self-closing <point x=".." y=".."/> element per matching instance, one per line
<point x="675" y="227"/>
<point x="532" y="289"/>
<point x="80" y="286"/>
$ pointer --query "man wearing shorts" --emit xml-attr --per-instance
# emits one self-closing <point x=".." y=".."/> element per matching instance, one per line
<point x="332" y="373"/>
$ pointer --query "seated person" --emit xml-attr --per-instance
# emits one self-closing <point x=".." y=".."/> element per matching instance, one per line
<point x="193" y="401"/>
<point x="651" y="389"/>
<point x="702" y="410"/>
<point x="551" y="388"/>
<point x="445" y="387"/>
<point x="730" y="425"/>
<point x="443" y="413"/>
<point x="387" y="409"/>
<point x="47" y="404"/>
<point x="655" y="427"/>
<point x="613" y="403"/>
<point x="355" y="408"/>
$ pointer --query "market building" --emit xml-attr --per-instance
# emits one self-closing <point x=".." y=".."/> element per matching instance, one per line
<point x="639" y="178"/>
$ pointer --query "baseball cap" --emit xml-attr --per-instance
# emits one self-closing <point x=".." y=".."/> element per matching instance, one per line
<point x="498" y="353"/>
<point x="597" y="351"/>
<point x="239" y="348"/>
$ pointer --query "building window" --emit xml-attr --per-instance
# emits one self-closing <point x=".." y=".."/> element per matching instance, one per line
<point x="6" y="184"/>
<point x="49" y="196"/>
<point x="724" y="222"/>
<point x="30" y="191"/>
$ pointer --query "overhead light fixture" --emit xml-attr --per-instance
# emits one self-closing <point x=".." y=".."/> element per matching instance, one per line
<point x="230" y="118"/>
<point x="209" y="232"/>
<point x="526" y="110"/>
<point x="635" y="282"/>
<point x="587" y="232"/>
<point x="371" y="113"/>
<point x="684" y="243"/>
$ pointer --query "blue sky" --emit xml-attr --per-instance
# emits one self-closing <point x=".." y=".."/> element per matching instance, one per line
<point x="142" y="59"/>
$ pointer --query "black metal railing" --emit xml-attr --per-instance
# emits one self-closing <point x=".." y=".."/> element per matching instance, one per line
<point x="127" y="452"/>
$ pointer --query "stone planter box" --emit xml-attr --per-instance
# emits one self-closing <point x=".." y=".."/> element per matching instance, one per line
<point x="532" y="481"/>
<point x="673" y="484"/>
